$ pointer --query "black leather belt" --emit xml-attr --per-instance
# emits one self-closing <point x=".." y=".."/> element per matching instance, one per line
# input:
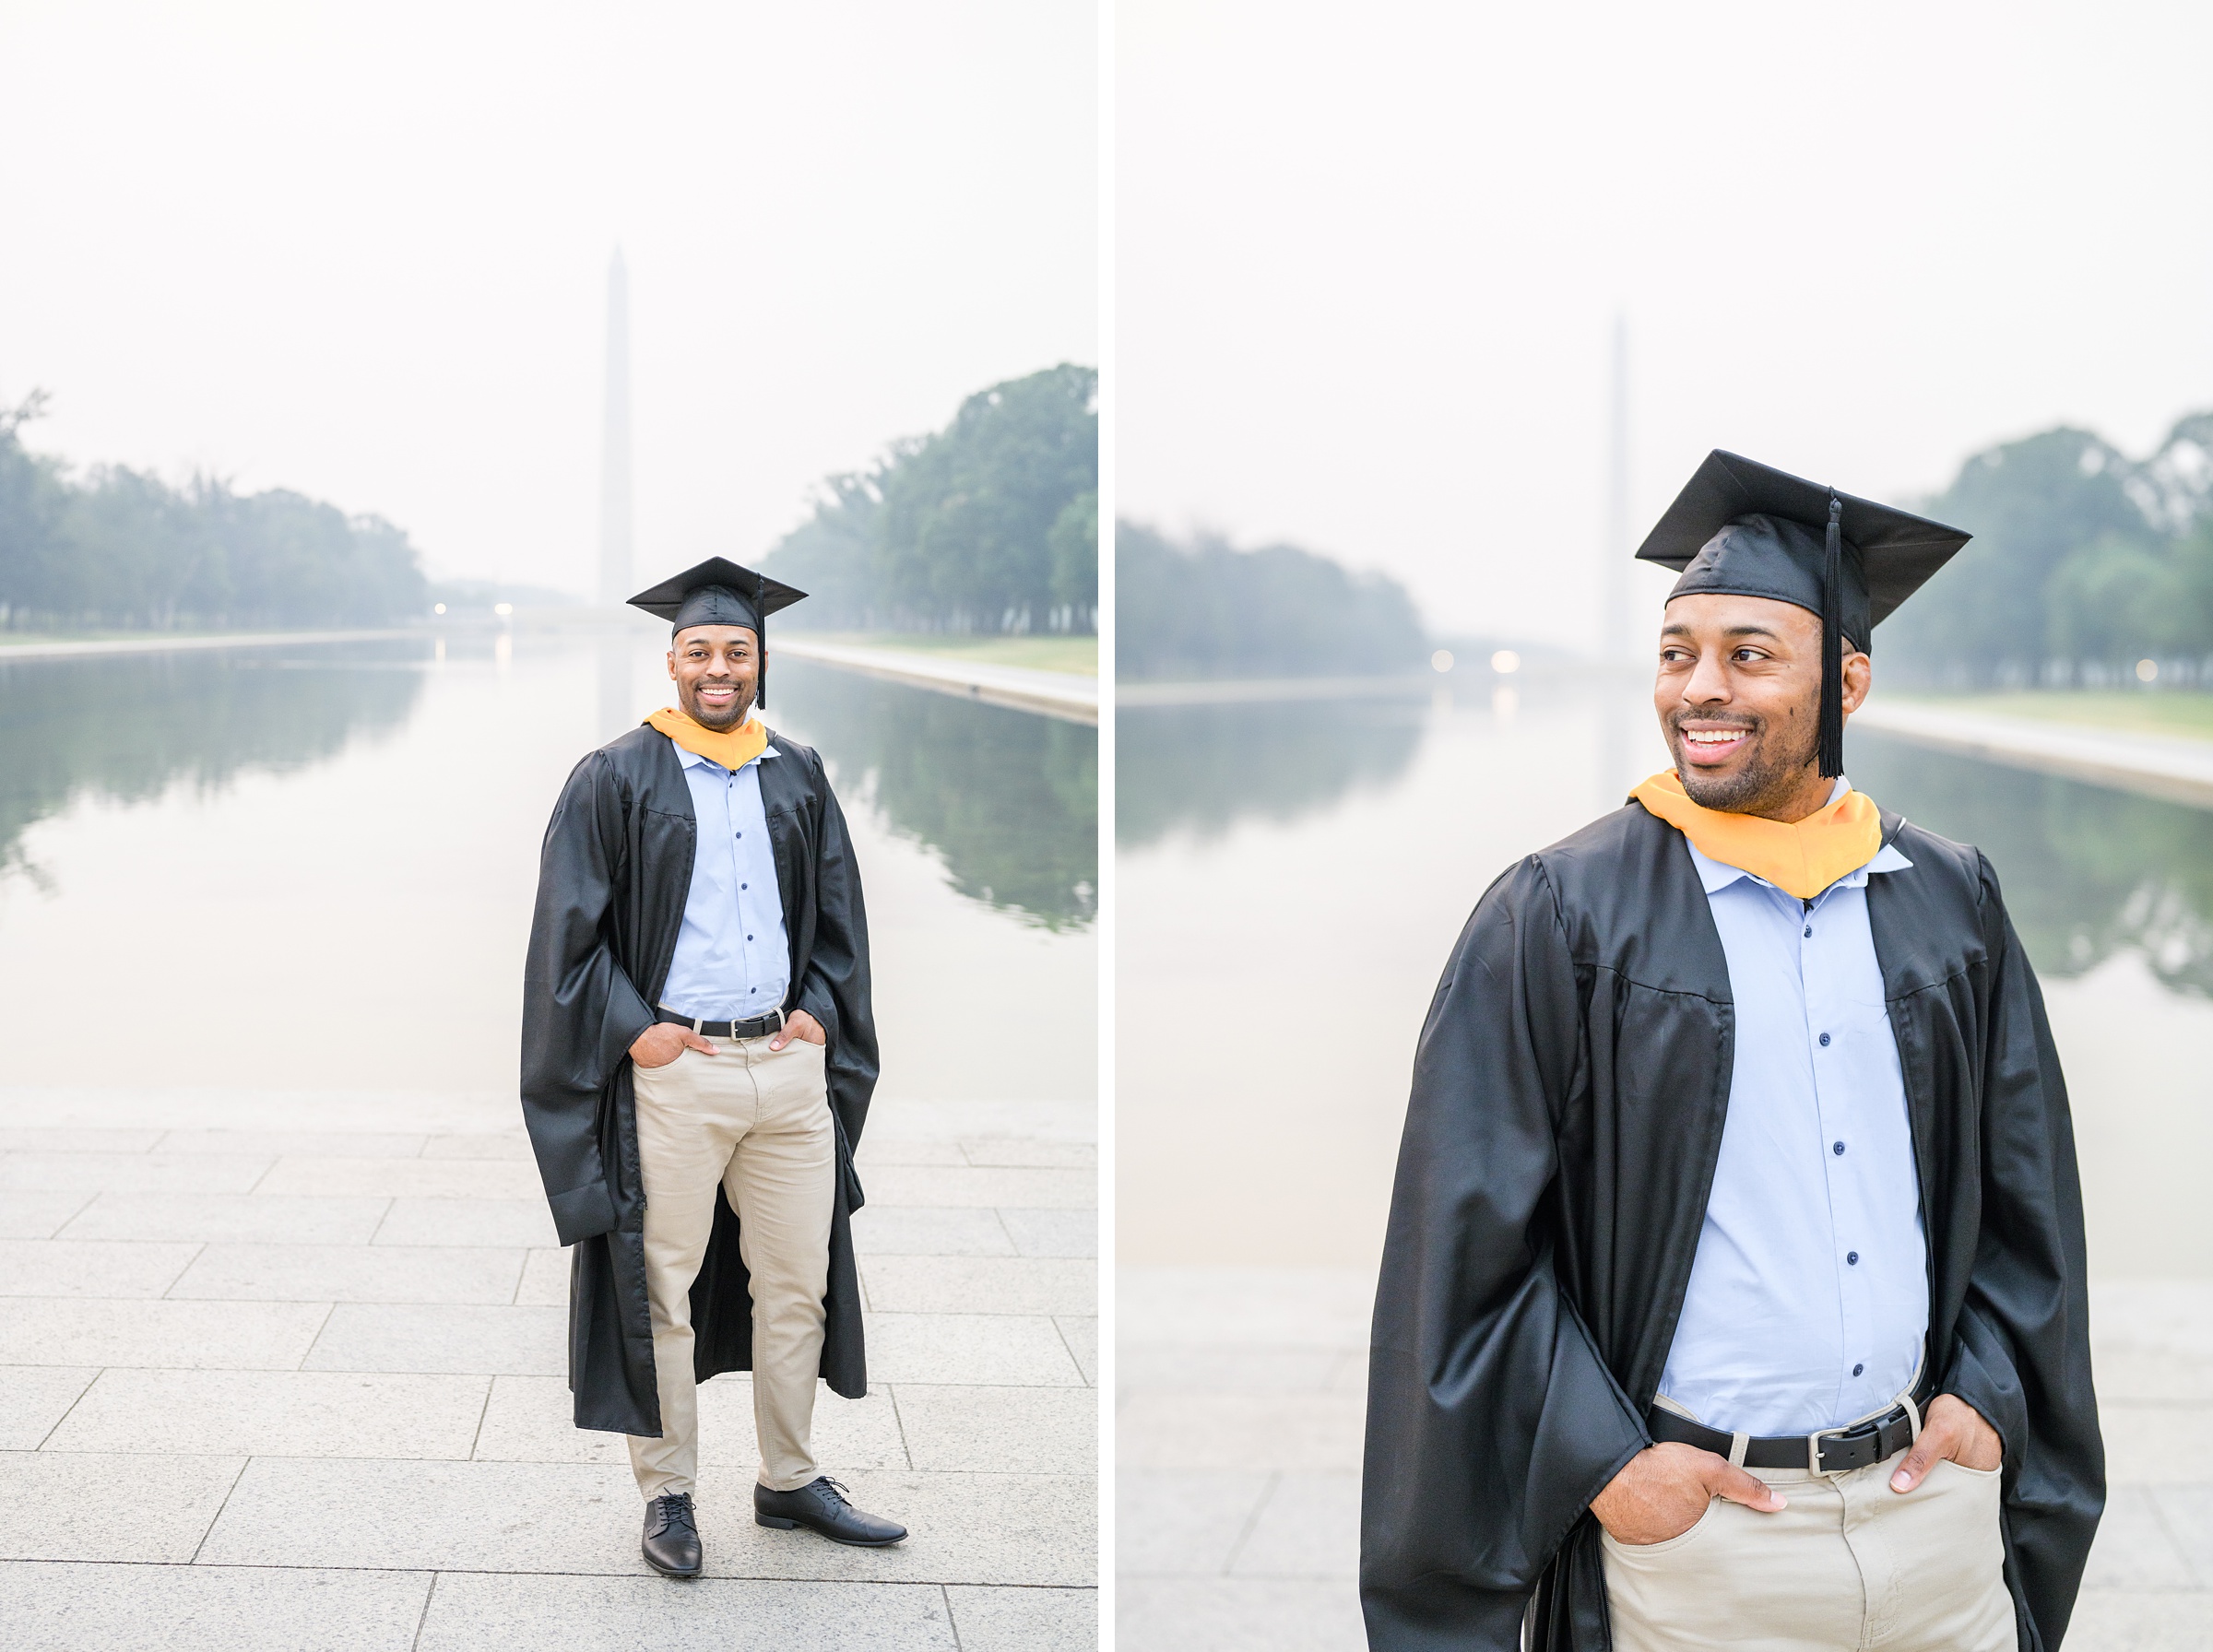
<point x="1830" y="1451"/>
<point x="761" y="1026"/>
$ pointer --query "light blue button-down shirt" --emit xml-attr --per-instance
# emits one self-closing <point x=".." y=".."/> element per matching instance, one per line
<point x="1809" y="1295"/>
<point x="732" y="960"/>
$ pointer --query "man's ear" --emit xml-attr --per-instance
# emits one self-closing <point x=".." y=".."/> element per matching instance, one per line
<point x="1859" y="677"/>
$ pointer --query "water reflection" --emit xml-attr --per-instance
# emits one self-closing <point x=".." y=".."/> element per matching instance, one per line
<point x="2087" y="872"/>
<point x="125" y="728"/>
<point x="1008" y="799"/>
<point x="1201" y="769"/>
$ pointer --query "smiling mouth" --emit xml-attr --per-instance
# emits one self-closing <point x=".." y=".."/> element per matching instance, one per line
<point x="1711" y="744"/>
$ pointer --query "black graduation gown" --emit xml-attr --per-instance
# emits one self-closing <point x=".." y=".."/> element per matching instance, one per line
<point x="614" y="876"/>
<point x="1568" y="1095"/>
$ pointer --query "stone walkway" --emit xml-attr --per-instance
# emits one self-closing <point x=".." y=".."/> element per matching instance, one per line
<point x="286" y="1372"/>
<point x="1240" y="1415"/>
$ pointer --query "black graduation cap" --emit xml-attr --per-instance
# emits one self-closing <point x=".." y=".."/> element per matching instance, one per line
<point x="718" y="592"/>
<point x="1747" y="529"/>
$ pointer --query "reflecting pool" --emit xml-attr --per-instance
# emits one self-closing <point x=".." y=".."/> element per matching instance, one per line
<point x="1293" y="875"/>
<point x="312" y="867"/>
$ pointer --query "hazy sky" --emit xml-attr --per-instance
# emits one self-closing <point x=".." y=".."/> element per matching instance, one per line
<point x="1368" y="258"/>
<point x="359" y="250"/>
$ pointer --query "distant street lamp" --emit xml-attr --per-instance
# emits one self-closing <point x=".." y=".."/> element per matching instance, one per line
<point x="1441" y="660"/>
<point x="504" y="608"/>
<point x="438" y="609"/>
<point x="2146" y="670"/>
<point x="1506" y="662"/>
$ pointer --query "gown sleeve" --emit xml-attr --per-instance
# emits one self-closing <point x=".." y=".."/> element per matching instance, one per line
<point x="834" y="989"/>
<point x="2022" y="1358"/>
<point x="1492" y="1421"/>
<point x="580" y="1012"/>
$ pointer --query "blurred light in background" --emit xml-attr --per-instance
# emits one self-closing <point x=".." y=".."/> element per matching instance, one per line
<point x="1506" y="662"/>
<point x="1441" y="660"/>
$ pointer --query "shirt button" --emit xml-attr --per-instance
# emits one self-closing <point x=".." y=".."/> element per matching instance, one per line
<point x="1852" y="1257"/>
<point x="745" y="886"/>
<point x="748" y="937"/>
<point x="1857" y="1369"/>
<point x="1837" y="1148"/>
<point x="1824" y="1041"/>
<point x="1809" y="935"/>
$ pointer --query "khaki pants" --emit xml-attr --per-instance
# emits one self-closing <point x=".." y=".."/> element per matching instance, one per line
<point x="1850" y="1563"/>
<point x="755" y="1123"/>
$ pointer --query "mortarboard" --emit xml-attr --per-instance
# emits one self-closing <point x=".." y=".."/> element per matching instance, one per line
<point x="718" y="592"/>
<point x="1747" y="529"/>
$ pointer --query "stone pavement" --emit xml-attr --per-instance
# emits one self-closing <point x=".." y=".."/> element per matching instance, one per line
<point x="286" y="1371"/>
<point x="1240" y="1425"/>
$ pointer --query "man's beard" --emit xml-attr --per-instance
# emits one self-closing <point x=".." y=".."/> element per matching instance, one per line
<point x="1769" y="777"/>
<point x="741" y="706"/>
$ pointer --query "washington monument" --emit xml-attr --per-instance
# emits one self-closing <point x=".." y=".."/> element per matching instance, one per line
<point x="614" y="453"/>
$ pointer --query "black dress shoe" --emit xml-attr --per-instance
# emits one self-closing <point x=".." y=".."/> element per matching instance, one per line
<point x="822" y="1507"/>
<point x="671" y="1543"/>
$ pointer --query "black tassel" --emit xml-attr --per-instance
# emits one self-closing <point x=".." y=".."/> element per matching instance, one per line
<point x="760" y="648"/>
<point x="1831" y="751"/>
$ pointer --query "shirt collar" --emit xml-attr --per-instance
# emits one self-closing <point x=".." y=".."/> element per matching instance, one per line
<point x="692" y="759"/>
<point x="1717" y="875"/>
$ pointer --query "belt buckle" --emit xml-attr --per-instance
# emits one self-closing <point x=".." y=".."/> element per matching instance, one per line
<point x="1852" y="1434"/>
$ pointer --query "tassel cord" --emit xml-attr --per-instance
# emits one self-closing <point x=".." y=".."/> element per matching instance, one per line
<point x="1830" y="748"/>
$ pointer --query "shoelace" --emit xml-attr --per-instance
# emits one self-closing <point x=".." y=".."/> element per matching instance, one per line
<point x="676" y="1510"/>
<point x="835" y="1492"/>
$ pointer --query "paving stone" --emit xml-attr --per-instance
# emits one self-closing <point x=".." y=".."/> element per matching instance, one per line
<point x="532" y="1418"/>
<point x="245" y="1217"/>
<point x="130" y="1173"/>
<point x="46" y="1512"/>
<point x="471" y="1611"/>
<point x="1182" y="1523"/>
<point x="1308" y="1526"/>
<point x="951" y="1187"/>
<point x="405" y="1178"/>
<point x="25" y="1215"/>
<point x="39" y="1139"/>
<point x="2155" y="1444"/>
<point x="2133" y="1549"/>
<point x="516" y="1145"/>
<point x="225" y="1336"/>
<point x="981" y="1285"/>
<point x="472" y="1221"/>
<point x="1053" y="1232"/>
<point x="907" y="1150"/>
<point x="430" y="1514"/>
<point x="34" y="1397"/>
<point x="396" y="1273"/>
<point x="1081" y="1336"/>
<point x="1184" y="1369"/>
<point x="273" y="1144"/>
<point x="968" y="1348"/>
<point x="583" y="1518"/>
<point x="991" y="1528"/>
<point x="443" y="1337"/>
<point x="2106" y="1620"/>
<point x="1000" y="1430"/>
<point x="91" y="1266"/>
<point x="67" y="1607"/>
<point x="1030" y="1152"/>
<point x="1001" y="1620"/>
<point x="1155" y="1614"/>
<point x="898" y="1229"/>
<point x="1240" y="1431"/>
<point x="545" y="1281"/>
<point x="2188" y="1511"/>
<point x="275" y="1414"/>
<point x="1324" y="1309"/>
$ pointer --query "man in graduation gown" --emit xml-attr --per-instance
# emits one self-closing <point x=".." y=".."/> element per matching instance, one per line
<point x="1733" y="1287"/>
<point x="698" y="1055"/>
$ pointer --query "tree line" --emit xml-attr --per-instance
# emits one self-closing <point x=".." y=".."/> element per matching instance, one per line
<point x="990" y="525"/>
<point x="1204" y="609"/>
<point x="123" y="550"/>
<point x="2084" y="562"/>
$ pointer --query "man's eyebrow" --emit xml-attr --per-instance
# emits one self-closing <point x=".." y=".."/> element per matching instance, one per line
<point x="1677" y="629"/>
